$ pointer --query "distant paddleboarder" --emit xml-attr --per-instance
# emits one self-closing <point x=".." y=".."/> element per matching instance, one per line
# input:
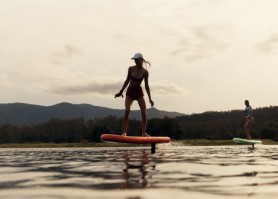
<point x="248" y="119"/>
<point x="136" y="74"/>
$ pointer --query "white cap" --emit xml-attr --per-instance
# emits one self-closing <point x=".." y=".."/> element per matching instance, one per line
<point x="137" y="56"/>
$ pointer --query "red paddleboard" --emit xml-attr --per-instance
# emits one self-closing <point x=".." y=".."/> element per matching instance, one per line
<point x="133" y="139"/>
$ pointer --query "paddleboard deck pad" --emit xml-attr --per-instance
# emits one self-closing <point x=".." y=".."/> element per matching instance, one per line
<point x="133" y="139"/>
<point x="245" y="141"/>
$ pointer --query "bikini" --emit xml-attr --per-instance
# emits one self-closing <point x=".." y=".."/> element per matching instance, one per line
<point x="136" y="92"/>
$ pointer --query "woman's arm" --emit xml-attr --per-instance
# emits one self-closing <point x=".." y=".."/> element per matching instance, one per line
<point x="148" y="88"/>
<point x="125" y="84"/>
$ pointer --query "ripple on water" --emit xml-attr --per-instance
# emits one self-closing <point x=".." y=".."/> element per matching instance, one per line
<point x="211" y="172"/>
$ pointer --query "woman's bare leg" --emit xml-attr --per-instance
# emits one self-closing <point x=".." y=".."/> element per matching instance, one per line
<point x="247" y="126"/>
<point x="128" y="103"/>
<point x="142" y="105"/>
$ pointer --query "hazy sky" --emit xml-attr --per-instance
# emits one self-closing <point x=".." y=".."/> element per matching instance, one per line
<point x="206" y="55"/>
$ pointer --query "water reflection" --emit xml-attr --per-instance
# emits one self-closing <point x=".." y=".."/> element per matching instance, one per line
<point x="138" y="170"/>
<point x="218" y="171"/>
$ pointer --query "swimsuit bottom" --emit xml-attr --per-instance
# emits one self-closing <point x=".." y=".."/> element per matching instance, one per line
<point x="134" y="92"/>
<point x="249" y="119"/>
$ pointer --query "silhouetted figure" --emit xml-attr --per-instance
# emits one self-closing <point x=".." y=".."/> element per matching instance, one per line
<point x="136" y="74"/>
<point x="248" y="119"/>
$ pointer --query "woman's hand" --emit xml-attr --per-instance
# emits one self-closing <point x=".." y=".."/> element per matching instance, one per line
<point x="152" y="103"/>
<point x="119" y="94"/>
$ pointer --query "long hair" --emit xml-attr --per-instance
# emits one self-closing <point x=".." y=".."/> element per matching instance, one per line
<point x="146" y="63"/>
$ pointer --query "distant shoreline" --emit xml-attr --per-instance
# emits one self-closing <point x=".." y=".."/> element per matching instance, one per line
<point x="195" y="142"/>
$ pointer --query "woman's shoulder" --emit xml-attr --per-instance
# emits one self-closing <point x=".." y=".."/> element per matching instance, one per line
<point x="248" y="108"/>
<point x="131" y="67"/>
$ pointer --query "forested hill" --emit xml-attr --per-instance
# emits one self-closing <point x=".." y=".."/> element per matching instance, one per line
<point x="82" y="127"/>
<point x="226" y="125"/>
<point x="28" y="114"/>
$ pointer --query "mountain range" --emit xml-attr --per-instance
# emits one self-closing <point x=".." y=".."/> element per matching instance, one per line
<point x="29" y="114"/>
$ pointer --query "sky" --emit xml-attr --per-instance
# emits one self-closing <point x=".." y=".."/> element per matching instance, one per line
<point x="206" y="55"/>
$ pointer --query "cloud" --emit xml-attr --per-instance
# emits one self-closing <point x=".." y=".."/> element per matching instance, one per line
<point x="203" y="42"/>
<point x="269" y="45"/>
<point x="90" y="88"/>
<point x="67" y="52"/>
<point x="162" y="89"/>
<point x="5" y="82"/>
<point x="111" y="88"/>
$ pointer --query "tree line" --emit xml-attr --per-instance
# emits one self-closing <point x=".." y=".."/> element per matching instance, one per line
<point x="208" y="125"/>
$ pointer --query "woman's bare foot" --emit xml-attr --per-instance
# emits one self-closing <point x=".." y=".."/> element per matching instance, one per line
<point x="145" y="135"/>
<point x="124" y="134"/>
<point x="249" y="137"/>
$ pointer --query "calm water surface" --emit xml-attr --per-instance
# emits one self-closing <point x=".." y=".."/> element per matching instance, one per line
<point x="135" y="173"/>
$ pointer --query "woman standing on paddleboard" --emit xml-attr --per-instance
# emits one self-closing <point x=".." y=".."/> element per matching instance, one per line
<point x="248" y="119"/>
<point x="136" y="74"/>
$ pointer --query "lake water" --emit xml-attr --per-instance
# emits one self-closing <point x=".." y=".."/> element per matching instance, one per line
<point x="135" y="173"/>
